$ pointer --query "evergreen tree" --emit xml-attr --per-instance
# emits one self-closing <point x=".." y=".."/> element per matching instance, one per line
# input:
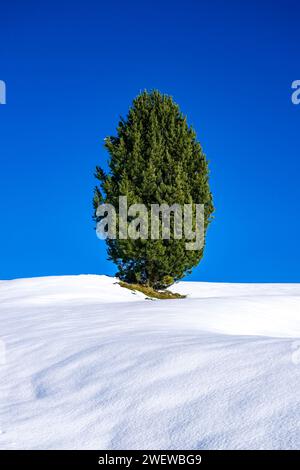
<point x="155" y="158"/>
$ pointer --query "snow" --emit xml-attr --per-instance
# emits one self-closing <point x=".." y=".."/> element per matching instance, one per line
<point x="89" y="365"/>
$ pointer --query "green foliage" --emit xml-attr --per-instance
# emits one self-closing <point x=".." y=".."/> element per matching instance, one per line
<point x="155" y="158"/>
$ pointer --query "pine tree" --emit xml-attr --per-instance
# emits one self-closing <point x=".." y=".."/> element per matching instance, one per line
<point x="155" y="158"/>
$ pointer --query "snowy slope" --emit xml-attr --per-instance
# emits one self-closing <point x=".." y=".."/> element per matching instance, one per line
<point x="92" y="365"/>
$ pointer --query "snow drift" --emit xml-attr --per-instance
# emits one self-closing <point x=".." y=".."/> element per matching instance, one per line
<point x="89" y="365"/>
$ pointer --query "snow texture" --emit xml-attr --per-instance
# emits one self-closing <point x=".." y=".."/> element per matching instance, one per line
<point x="86" y="364"/>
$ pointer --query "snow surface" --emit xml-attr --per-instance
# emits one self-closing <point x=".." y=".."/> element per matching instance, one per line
<point x="90" y="365"/>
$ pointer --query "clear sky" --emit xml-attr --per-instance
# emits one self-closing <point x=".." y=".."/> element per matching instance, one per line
<point x="72" y="68"/>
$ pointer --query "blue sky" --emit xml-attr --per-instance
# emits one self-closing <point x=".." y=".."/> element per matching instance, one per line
<point x="72" y="68"/>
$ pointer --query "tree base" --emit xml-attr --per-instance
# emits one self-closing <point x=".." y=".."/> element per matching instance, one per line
<point x="150" y="292"/>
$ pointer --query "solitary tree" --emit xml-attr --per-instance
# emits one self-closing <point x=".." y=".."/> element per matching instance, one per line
<point x="155" y="158"/>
